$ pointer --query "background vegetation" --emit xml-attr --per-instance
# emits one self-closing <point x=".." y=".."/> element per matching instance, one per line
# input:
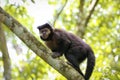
<point x="101" y="32"/>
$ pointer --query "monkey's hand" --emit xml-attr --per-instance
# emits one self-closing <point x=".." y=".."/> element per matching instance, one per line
<point x="56" y="55"/>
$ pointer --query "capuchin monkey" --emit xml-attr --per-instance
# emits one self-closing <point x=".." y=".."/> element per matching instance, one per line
<point x="74" y="49"/>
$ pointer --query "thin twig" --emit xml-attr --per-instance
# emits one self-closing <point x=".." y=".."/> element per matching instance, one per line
<point x="92" y="7"/>
<point x="58" y="14"/>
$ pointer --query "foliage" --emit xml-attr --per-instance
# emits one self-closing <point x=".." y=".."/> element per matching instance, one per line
<point x="102" y="34"/>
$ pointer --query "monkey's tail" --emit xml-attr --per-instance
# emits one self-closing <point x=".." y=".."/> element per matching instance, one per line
<point x="90" y="65"/>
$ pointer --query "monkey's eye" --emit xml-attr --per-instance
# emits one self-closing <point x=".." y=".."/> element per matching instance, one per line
<point x="43" y="31"/>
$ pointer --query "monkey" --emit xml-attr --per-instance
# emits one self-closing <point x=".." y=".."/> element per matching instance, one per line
<point x="72" y="47"/>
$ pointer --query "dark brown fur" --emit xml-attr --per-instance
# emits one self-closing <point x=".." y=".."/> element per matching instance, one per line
<point x="74" y="49"/>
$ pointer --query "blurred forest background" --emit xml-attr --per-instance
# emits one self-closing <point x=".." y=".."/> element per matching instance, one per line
<point x="97" y="22"/>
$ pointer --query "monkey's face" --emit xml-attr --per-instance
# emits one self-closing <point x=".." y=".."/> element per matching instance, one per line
<point x="44" y="33"/>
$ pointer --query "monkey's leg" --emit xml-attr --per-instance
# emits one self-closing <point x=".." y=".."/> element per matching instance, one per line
<point x="74" y="63"/>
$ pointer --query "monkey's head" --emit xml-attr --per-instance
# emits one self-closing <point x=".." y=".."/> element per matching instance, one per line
<point x="46" y="31"/>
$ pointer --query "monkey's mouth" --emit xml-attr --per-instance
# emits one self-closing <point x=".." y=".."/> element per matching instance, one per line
<point x="44" y="36"/>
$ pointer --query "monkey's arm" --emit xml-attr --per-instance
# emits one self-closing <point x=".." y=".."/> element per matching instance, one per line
<point x="63" y="44"/>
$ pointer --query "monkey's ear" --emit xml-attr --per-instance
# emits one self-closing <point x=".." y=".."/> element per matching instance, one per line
<point x="41" y="27"/>
<point x="38" y="27"/>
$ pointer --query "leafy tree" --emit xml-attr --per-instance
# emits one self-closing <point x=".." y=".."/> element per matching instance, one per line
<point x="96" y="21"/>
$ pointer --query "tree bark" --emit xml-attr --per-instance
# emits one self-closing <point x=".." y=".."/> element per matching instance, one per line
<point x="38" y="47"/>
<point x="5" y="55"/>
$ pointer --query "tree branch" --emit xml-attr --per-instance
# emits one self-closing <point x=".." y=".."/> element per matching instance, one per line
<point x="39" y="48"/>
<point x="91" y="8"/>
<point x="59" y="12"/>
<point x="81" y="5"/>
<point x="80" y="20"/>
<point x="5" y="55"/>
